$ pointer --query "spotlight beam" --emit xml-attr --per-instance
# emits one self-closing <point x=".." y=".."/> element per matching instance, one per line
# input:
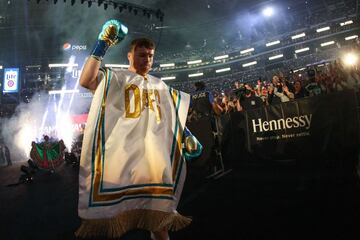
<point x="350" y="59"/>
<point x="268" y="11"/>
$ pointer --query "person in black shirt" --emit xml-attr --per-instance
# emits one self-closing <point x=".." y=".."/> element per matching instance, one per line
<point x="202" y="102"/>
<point x="202" y="123"/>
<point x="249" y="100"/>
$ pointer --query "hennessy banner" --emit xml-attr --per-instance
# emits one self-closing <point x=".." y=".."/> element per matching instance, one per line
<point x="321" y="127"/>
<point x="306" y="126"/>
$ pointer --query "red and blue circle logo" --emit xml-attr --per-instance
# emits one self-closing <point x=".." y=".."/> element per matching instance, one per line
<point x="66" y="46"/>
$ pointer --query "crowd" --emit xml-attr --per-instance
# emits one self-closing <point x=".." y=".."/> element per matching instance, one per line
<point x="284" y="87"/>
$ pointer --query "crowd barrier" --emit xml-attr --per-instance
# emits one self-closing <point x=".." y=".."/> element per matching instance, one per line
<point x="321" y="129"/>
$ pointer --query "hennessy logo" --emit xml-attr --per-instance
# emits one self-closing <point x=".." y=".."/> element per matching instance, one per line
<point x="287" y="123"/>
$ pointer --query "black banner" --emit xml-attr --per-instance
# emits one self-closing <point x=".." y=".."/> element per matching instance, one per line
<point x="325" y="126"/>
<point x="313" y="125"/>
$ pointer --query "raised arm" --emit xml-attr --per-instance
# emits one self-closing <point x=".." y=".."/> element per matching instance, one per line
<point x="89" y="74"/>
<point x="112" y="32"/>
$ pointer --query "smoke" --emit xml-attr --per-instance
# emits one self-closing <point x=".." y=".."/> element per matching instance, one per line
<point x="44" y="115"/>
<point x="22" y="128"/>
<point x="78" y="22"/>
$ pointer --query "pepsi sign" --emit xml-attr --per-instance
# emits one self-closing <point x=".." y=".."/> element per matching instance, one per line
<point x="67" y="46"/>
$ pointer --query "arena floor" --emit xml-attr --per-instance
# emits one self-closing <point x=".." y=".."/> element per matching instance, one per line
<point x="250" y="202"/>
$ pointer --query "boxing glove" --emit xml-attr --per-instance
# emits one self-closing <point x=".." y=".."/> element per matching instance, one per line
<point x="112" y="32"/>
<point x="192" y="148"/>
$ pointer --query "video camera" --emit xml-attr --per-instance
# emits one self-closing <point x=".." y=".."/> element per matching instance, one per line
<point x="240" y="92"/>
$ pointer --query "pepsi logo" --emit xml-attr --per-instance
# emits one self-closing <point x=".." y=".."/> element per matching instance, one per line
<point x="78" y="47"/>
<point x="67" y="46"/>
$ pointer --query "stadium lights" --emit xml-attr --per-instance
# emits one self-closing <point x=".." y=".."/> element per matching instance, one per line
<point x="346" y="23"/>
<point x="117" y="65"/>
<point x="54" y="65"/>
<point x="53" y="92"/>
<point x="323" y="29"/>
<point x="221" y="57"/>
<point x="268" y="12"/>
<point x="247" y="50"/>
<point x="167" y="65"/>
<point x="272" y="43"/>
<point x="1" y="67"/>
<point x="351" y="37"/>
<point x="168" y="78"/>
<point x="327" y="43"/>
<point x="195" y="75"/>
<point x="276" y="57"/>
<point x="350" y="59"/>
<point x="249" y="64"/>
<point x="222" y="70"/>
<point x="298" y="70"/>
<point x="194" y="62"/>
<point x="298" y="36"/>
<point x="302" y="50"/>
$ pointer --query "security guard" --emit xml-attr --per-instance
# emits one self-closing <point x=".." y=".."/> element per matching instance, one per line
<point x="202" y="103"/>
<point x="202" y="123"/>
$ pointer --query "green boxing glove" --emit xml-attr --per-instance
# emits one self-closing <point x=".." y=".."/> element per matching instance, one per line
<point x="113" y="31"/>
<point x="192" y="148"/>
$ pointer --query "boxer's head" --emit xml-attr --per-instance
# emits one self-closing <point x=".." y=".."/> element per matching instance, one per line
<point x="141" y="55"/>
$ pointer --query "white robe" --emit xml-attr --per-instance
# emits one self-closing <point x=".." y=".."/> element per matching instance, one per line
<point x="131" y="155"/>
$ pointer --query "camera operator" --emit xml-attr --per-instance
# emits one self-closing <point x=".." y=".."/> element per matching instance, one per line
<point x="247" y="98"/>
<point x="238" y="92"/>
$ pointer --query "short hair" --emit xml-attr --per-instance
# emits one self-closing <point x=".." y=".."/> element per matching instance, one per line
<point x="142" y="42"/>
<point x="200" y="86"/>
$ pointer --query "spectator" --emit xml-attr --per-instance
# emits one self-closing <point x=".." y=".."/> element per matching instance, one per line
<point x="272" y="99"/>
<point x="250" y="100"/>
<point x="312" y="87"/>
<point x="281" y="90"/>
<point x="299" y="90"/>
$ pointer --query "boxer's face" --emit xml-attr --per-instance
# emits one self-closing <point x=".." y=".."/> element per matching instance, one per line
<point x="141" y="59"/>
